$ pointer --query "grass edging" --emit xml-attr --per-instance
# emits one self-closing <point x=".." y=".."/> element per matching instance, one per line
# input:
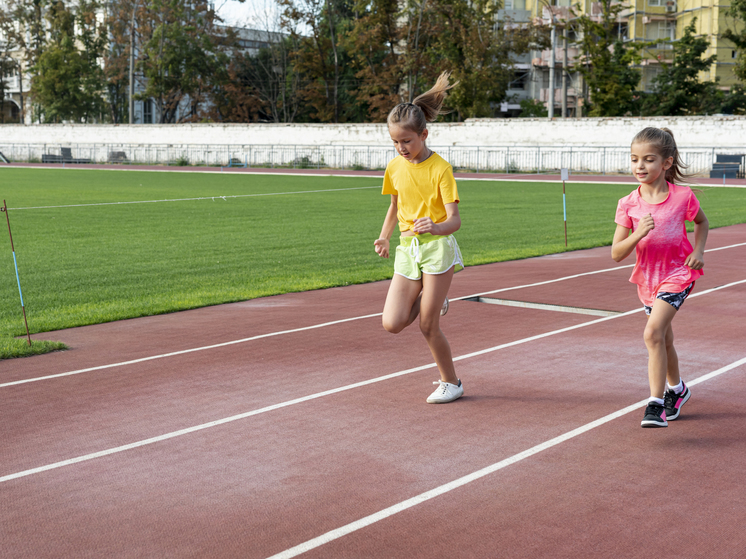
<point x="11" y="348"/>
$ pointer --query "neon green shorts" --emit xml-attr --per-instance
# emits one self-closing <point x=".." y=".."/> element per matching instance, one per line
<point x="427" y="254"/>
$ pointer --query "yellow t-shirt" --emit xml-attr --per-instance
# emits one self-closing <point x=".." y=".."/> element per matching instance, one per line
<point x="423" y="189"/>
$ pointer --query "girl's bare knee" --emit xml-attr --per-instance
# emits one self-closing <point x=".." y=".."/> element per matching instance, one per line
<point x="392" y="326"/>
<point x="654" y="337"/>
<point x="429" y="329"/>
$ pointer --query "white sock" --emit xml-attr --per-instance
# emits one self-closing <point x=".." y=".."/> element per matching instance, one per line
<point x="678" y="388"/>
<point x="658" y="401"/>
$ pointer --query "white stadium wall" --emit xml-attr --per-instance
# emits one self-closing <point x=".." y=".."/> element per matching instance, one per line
<point x="696" y="131"/>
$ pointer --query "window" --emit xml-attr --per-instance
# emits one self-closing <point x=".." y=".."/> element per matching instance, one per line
<point x="666" y="30"/>
<point x="661" y="31"/>
<point x="519" y="80"/>
<point x="246" y="44"/>
<point x="656" y="3"/>
<point x="147" y="112"/>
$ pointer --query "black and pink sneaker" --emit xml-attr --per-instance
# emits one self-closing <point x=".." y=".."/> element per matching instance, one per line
<point x="673" y="402"/>
<point x="655" y="416"/>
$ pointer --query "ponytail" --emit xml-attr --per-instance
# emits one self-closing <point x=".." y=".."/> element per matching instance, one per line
<point x="424" y="109"/>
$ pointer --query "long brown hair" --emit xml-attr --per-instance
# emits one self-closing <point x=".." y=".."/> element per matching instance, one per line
<point x="662" y="140"/>
<point x="425" y="107"/>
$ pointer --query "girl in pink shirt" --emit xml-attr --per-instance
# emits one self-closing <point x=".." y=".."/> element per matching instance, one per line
<point x="651" y="221"/>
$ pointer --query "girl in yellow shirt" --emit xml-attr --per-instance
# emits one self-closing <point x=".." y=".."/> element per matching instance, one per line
<point x="424" y="201"/>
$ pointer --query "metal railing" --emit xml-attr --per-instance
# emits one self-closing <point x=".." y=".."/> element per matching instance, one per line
<point x="490" y="159"/>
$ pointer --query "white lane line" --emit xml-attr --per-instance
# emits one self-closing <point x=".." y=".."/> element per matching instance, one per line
<point x="544" y="306"/>
<point x="272" y="334"/>
<point x="547" y="282"/>
<point x="723" y="248"/>
<point x="280" y="405"/>
<point x="220" y="197"/>
<point x="460" y="482"/>
<point x="185" y="351"/>
<point x="537" y="284"/>
<point x="295" y="330"/>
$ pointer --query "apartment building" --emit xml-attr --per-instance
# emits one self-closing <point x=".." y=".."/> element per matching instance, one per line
<point x="639" y="21"/>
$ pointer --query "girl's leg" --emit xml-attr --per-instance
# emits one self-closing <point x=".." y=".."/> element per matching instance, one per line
<point x="673" y="377"/>
<point x="659" y="341"/>
<point x="402" y="303"/>
<point x="434" y="291"/>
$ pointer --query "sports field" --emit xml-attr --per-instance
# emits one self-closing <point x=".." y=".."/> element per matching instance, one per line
<point x="295" y="425"/>
<point x="99" y="246"/>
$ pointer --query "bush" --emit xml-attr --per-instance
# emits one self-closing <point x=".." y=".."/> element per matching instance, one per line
<point x="533" y="108"/>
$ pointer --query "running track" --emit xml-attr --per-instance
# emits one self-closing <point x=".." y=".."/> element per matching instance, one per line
<point x="597" y="179"/>
<point x="294" y="425"/>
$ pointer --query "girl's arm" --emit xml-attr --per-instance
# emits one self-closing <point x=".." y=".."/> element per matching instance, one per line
<point x="696" y="260"/>
<point x="625" y="241"/>
<point x="447" y="227"/>
<point x="389" y="223"/>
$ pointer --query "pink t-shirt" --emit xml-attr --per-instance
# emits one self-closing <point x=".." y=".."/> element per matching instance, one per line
<point x="662" y="252"/>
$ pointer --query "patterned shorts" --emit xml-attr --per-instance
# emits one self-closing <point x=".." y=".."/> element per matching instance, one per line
<point x="673" y="299"/>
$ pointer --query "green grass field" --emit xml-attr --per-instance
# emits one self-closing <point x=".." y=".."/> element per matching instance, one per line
<point x="87" y="264"/>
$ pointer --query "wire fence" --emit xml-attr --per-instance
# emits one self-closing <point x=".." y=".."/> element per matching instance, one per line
<point x="490" y="159"/>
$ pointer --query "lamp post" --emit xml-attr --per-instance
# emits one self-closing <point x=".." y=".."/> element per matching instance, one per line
<point x="132" y="64"/>
<point x="551" y="70"/>
<point x="564" y="73"/>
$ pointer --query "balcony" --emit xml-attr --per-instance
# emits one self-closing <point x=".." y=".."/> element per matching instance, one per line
<point x="543" y="61"/>
<point x="571" y="96"/>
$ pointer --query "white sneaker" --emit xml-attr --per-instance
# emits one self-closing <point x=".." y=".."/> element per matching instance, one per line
<point x="446" y="392"/>
<point x="444" y="308"/>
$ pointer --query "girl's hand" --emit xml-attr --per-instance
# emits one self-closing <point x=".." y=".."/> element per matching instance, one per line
<point x="425" y="225"/>
<point x="695" y="260"/>
<point x="645" y="226"/>
<point x="382" y="247"/>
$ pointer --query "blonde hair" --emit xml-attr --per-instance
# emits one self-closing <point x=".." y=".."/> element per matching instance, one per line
<point x="662" y="140"/>
<point x="425" y="107"/>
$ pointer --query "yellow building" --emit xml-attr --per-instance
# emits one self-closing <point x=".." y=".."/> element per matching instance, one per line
<point x="712" y="21"/>
<point x="648" y="20"/>
<point x="639" y="21"/>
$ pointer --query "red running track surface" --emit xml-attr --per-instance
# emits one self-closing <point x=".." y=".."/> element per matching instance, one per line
<point x="738" y="183"/>
<point x="208" y="433"/>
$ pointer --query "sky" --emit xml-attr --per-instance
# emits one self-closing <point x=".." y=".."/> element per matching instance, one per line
<point x="250" y="13"/>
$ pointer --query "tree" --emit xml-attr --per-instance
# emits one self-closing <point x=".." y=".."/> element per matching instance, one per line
<point x="677" y="89"/>
<point x="320" y="59"/>
<point x="8" y="65"/>
<point x="606" y="64"/>
<point x="734" y="102"/>
<point x="68" y="82"/>
<point x="477" y="48"/>
<point x="22" y="28"/>
<point x="117" y="57"/>
<point x="737" y="10"/>
<point x="398" y="54"/>
<point x="373" y="45"/>
<point x="178" y="56"/>
<point x="531" y="108"/>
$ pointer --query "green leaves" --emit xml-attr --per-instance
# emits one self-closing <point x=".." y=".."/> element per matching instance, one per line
<point x="737" y="11"/>
<point x="677" y="89"/>
<point x="69" y="82"/>
<point x="606" y="65"/>
<point x="178" y="56"/>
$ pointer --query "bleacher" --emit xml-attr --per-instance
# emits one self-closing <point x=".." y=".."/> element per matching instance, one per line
<point x="66" y="156"/>
<point x="728" y="167"/>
